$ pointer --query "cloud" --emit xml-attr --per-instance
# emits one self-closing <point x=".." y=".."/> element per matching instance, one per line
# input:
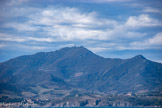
<point x="32" y="47"/>
<point x="154" y="42"/>
<point x="142" y="21"/>
<point x="24" y="47"/>
<point x="13" y="38"/>
<point x="68" y="24"/>
<point x="98" y="49"/>
<point x="7" y="37"/>
<point x="157" y="40"/>
<point x="122" y="32"/>
<point x="40" y="39"/>
<point x="68" y="33"/>
<point x="151" y="10"/>
<point x="51" y="16"/>
<point x="21" y="27"/>
<point x="65" y="24"/>
<point x="15" y="2"/>
<point x="72" y="25"/>
<point x="68" y="16"/>
<point x="20" y="13"/>
<point x="2" y="45"/>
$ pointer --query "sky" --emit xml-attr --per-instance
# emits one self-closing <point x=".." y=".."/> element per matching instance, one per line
<point x="109" y="28"/>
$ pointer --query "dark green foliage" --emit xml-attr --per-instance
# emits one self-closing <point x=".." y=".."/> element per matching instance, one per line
<point x="98" y="101"/>
<point x="83" y="103"/>
<point x="10" y="100"/>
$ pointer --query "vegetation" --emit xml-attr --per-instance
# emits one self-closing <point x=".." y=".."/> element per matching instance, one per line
<point x="92" y="100"/>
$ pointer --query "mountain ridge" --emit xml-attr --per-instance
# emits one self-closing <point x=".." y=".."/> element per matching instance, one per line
<point x="65" y="48"/>
<point x="78" y="68"/>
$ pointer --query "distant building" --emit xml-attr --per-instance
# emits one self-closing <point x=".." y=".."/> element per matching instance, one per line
<point x="129" y="94"/>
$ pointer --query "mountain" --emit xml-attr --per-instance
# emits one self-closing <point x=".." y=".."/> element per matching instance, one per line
<point x="76" y="69"/>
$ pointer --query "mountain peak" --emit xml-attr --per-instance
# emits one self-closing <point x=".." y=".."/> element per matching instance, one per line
<point x="73" y="51"/>
<point x="75" y="48"/>
<point x="139" y="57"/>
<point x="78" y="47"/>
